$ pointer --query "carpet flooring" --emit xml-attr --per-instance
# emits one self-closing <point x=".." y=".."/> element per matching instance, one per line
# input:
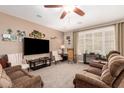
<point x="60" y="75"/>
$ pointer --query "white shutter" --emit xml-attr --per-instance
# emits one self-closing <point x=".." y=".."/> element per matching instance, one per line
<point x="100" y="40"/>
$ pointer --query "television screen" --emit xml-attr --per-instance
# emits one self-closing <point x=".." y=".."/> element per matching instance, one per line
<point x="35" y="46"/>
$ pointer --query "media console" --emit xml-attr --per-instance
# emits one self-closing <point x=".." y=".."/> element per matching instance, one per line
<point x="39" y="63"/>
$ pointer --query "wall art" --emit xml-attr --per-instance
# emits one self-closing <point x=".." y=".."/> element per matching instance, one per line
<point x="68" y="39"/>
<point x="9" y="36"/>
<point x="37" y="34"/>
<point x="20" y="35"/>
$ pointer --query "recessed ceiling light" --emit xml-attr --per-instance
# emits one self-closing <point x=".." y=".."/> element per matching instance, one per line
<point x="39" y="16"/>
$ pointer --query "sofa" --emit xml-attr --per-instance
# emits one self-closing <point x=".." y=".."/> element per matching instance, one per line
<point x="16" y="77"/>
<point x="111" y="77"/>
<point x="97" y="66"/>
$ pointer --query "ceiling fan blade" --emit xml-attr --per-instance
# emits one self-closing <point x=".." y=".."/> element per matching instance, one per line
<point x="78" y="11"/>
<point x="52" y="6"/>
<point x="63" y="14"/>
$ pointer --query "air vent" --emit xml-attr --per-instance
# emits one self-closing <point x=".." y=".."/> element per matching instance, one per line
<point x="39" y="16"/>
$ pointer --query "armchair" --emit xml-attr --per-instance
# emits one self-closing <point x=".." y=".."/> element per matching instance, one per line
<point x="17" y="59"/>
<point x="56" y="57"/>
<point x="112" y="77"/>
<point x="98" y="66"/>
<point x="88" y="80"/>
<point x="21" y="79"/>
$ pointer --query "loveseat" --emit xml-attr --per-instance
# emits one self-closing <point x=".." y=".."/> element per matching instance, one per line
<point x="97" y="66"/>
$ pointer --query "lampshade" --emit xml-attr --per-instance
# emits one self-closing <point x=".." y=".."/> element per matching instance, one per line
<point x="62" y="46"/>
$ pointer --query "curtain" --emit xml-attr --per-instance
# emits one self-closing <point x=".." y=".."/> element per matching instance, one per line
<point x="75" y="42"/>
<point x="120" y="37"/>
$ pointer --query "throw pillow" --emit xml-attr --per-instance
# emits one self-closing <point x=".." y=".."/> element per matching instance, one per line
<point x="3" y="63"/>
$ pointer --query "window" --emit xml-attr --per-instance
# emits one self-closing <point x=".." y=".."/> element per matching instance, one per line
<point x="98" y="37"/>
<point x="100" y="40"/>
<point x="88" y="42"/>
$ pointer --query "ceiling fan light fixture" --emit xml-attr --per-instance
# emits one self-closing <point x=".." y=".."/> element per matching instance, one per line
<point x="67" y="9"/>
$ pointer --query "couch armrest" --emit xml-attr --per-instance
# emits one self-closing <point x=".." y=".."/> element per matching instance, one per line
<point x="12" y="69"/>
<point x="94" y="70"/>
<point x="26" y="73"/>
<point x="97" y="64"/>
<point x="34" y="82"/>
<point x="92" y="81"/>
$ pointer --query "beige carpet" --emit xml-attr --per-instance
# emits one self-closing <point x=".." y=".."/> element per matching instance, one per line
<point x="60" y="75"/>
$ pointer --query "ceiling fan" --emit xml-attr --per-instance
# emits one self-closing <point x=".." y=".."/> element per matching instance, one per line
<point x="67" y="9"/>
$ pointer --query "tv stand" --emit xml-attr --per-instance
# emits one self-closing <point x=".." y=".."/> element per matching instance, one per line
<point x="39" y="63"/>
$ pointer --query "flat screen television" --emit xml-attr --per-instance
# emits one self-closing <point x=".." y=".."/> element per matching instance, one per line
<point x="35" y="46"/>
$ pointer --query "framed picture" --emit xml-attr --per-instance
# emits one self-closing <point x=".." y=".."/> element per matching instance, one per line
<point x="68" y="37"/>
<point x="9" y="37"/>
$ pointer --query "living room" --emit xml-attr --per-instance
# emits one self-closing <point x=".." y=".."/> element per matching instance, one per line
<point x="58" y="46"/>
